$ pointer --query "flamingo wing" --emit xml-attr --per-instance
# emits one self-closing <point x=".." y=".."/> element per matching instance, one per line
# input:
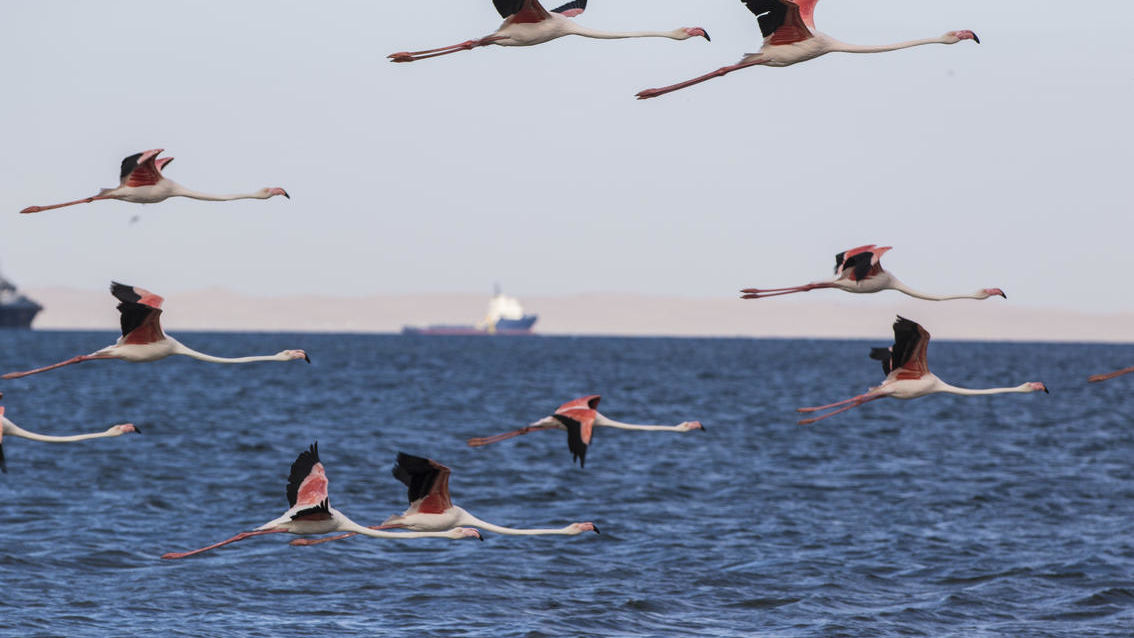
<point x="521" y="11"/>
<point x="782" y="21"/>
<point x="858" y="264"/>
<point x="911" y="344"/>
<point x="580" y="425"/>
<point x="141" y="169"/>
<point x="320" y="512"/>
<point x="140" y="313"/>
<point x="307" y="482"/>
<point x="427" y="482"/>
<point x="588" y="402"/>
<point x="572" y="9"/>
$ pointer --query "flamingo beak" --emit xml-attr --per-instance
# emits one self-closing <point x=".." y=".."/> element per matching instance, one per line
<point x="137" y="429"/>
<point x="976" y="39"/>
<point x="595" y="527"/>
<point x="286" y="195"/>
<point x="306" y="358"/>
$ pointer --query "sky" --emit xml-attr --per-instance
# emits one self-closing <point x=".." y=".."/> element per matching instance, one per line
<point x="1005" y="164"/>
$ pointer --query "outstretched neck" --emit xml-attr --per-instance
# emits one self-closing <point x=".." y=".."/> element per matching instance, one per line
<point x="576" y="29"/>
<point x="472" y="521"/>
<point x="182" y="349"/>
<point x="350" y="526"/>
<point x="14" y="430"/>
<point x="181" y="191"/>
<point x="899" y="286"/>
<point x="611" y="423"/>
<point x="882" y="48"/>
<point x="968" y="392"/>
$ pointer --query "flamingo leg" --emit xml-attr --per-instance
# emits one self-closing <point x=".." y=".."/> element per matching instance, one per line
<point x="85" y="200"/>
<point x="303" y="542"/>
<point x="79" y="359"/>
<point x="477" y="442"/>
<point x="724" y="70"/>
<point x="468" y="45"/>
<point x="854" y="403"/>
<point x="1110" y="375"/>
<point x="239" y="537"/>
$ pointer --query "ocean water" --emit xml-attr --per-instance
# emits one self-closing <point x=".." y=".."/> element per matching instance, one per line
<point x="944" y="516"/>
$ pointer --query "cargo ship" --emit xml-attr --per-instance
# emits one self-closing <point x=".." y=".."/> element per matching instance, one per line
<point x="16" y="310"/>
<point x="505" y="317"/>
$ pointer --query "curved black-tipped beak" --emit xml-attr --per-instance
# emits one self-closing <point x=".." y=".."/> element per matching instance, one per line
<point x="596" y="529"/>
<point x="137" y="429"/>
<point x="976" y="39"/>
<point x="480" y="538"/>
<point x="1045" y="390"/>
<point x="306" y="358"/>
<point x="1003" y="295"/>
<point x="707" y="36"/>
<point x="286" y="195"/>
<point x="704" y="429"/>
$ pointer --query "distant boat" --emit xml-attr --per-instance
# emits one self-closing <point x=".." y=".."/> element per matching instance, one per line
<point x="16" y="310"/>
<point x="505" y="317"/>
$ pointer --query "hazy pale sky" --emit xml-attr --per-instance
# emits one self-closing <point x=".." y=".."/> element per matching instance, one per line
<point x="1005" y="164"/>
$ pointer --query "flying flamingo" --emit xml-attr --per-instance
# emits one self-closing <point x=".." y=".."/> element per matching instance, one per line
<point x="527" y="23"/>
<point x="141" y="182"/>
<point x="860" y="270"/>
<point x="1110" y="375"/>
<point x="788" y="27"/>
<point x="143" y="340"/>
<point x="431" y="510"/>
<point x="908" y="375"/>
<point x="579" y="418"/>
<point x="11" y="429"/>
<point x="311" y="512"/>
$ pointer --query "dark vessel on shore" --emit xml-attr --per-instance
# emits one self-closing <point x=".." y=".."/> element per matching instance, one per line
<point x="16" y="310"/>
<point x="505" y="317"/>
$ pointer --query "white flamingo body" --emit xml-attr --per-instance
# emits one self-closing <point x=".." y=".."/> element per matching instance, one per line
<point x="7" y="428"/>
<point x="859" y="270"/>
<point x="790" y="37"/>
<point x="143" y="339"/>
<point x="908" y="376"/>
<point x="311" y="513"/>
<point x="579" y="418"/>
<point x="431" y="508"/>
<point x="141" y="182"/>
<point x="527" y="23"/>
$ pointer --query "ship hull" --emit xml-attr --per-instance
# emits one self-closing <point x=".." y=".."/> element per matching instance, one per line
<point x="19" y="316"/>
<point x="504" y="328"/>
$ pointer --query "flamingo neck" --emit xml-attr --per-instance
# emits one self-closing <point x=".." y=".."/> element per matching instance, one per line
<point x="350" y="526"/>
<point x="472" y="521"/>
<point x="181" y="191"/>
<point x="901" y="287"/>
<point x="182" y="349"/>
<point x="15" y="430"/>
<point x="577" y="29"/>
<point x="968" y="392"/>
<point x="882" y="48"/>
<point x="611" y="423"/>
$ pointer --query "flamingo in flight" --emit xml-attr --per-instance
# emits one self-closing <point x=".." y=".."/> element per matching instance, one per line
<point x="310" y="511"/>
<point x="859" y="270"/>
<point x="11" y="429"/>
<point x="1110" y="375"/>
<point x="907" y="374"/>
<point x="431" y="509"/>
<point x="143" y="340"/>
<point x="527" y="23"/>
<point x="579" y="418"/>
<point x="141" y="182"/>
<point x="788" y="27"/>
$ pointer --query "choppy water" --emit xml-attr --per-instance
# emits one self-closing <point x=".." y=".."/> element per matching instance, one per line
<point x="944" y="516"/>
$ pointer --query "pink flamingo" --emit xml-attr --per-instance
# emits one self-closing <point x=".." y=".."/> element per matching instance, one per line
<point x="143" y="340"/>
<point x="141" y="182"/>
<point x="859" y="270"/>
<point x="527" y="23"/>
<point x="908" y="375"/>
<point x="1110" y="375"/>
<point x="788" y="27"/>
<point x="431" y="509"/>
<point x="311" y="513"/>
<point x="579" y="418"/>
<point x="11" y="429"/>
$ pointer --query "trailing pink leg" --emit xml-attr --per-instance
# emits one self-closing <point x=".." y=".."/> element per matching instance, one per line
<point x="239" y="537"/>
<point x="79" y="359"/>
<point x="857" y="401"/>
<point x="1110" y="375"/>
<point x="477" y="442"/>
<point x="412" y="56"/>
<point x="85" y="200"/>
<point x="724" y="70"/>
<point x="758" y="293"/>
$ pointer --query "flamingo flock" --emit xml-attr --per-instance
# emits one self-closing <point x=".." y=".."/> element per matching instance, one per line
<point x="789" y="37"/>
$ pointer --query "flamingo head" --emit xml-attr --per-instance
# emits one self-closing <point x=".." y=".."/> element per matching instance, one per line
<point x="579" y="528"/>
<point x="1036" y="386"/>
<point x="125" y="428"/>
<point x="693" y="32"/>
<point x="690" y="425"/>
<point x="953" y="37"/>
<point x="459" y="533"/>
<point x="292" y="355"/>
<point x="266" y="193"/>
<point x="993" y="292"/>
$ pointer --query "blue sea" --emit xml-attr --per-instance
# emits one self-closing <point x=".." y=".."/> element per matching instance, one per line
<point x="944" y="516"/>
